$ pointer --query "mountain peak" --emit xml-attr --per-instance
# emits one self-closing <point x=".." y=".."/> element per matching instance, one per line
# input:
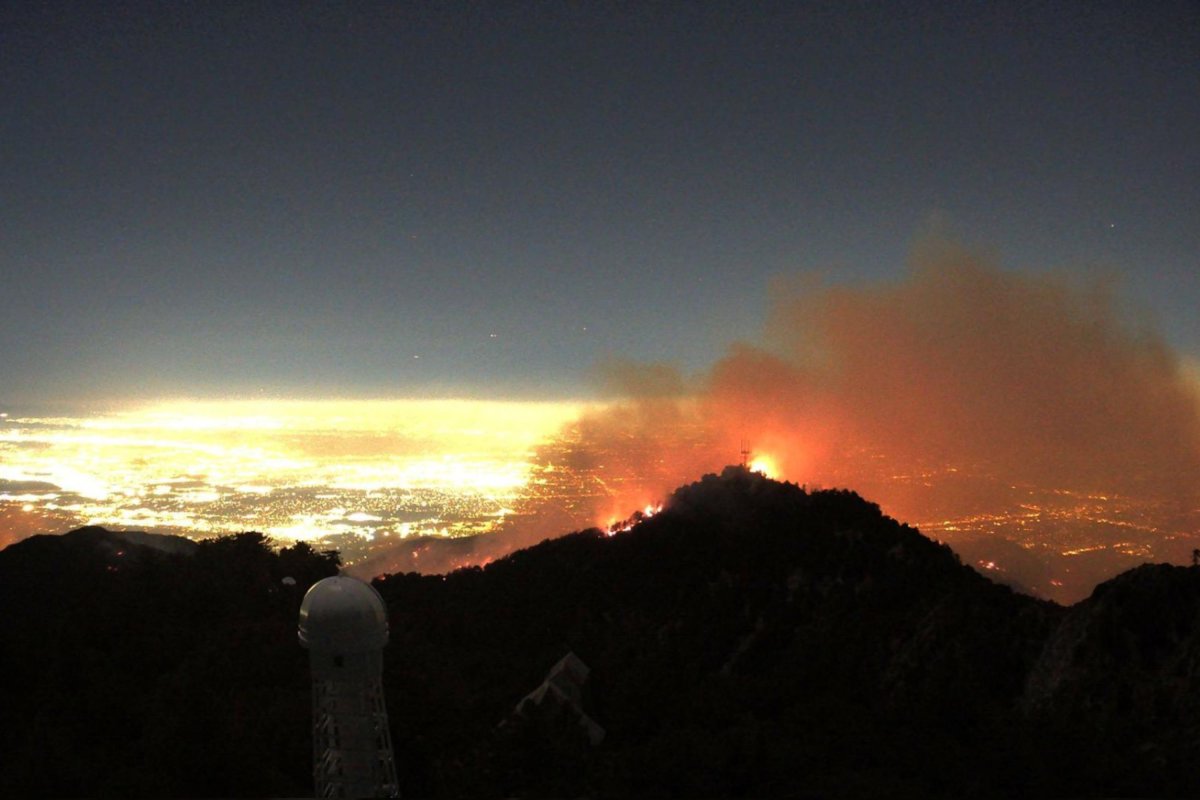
<point x="753" y="637"/>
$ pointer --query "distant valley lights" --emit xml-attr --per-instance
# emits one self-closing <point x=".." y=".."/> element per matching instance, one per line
<point x="292" y="469"/>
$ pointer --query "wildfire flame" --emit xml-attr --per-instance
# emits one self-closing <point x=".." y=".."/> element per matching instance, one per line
<point x="764" y="465"/>
<point x="622" y="526"/>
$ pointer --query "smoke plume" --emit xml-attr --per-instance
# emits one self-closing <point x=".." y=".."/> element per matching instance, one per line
<point x="982" y="404"/>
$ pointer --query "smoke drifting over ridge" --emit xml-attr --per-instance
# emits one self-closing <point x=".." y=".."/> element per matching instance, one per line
<point x="1036" y="380"/>
<point x="961" y="393"/>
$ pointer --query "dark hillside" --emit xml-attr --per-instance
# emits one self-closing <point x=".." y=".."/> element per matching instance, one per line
<point x="1125" y="663"/>
<point x="131" y="669"/>
<point x="751" y="639"/>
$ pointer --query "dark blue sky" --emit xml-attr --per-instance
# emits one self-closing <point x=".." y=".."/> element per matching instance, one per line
<point x="298" y="198"/>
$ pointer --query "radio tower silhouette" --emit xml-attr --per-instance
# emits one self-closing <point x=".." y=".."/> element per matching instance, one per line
<point x="343" y="624"/>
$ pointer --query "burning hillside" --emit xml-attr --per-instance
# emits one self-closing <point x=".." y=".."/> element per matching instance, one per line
<point x="1022" y="418"/>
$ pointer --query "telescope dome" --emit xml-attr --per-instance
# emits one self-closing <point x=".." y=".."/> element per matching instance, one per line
<point x="343" y="615"/>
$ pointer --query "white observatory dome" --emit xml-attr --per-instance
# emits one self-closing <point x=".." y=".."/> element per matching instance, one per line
<point x="343" y="615"/>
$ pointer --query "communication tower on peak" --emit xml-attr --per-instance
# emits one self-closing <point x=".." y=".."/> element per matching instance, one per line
<point x="343" y="624"/>
<point x="745" y="451"/>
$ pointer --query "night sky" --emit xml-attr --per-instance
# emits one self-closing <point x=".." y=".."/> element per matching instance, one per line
<point x="486" y="200"/>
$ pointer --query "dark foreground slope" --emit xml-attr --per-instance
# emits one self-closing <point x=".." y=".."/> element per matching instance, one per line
<point x="752" y="639"/>
<point x="140" y="666"/>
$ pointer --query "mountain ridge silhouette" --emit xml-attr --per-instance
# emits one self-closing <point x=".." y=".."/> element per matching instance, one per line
<point x="752" y="638"/>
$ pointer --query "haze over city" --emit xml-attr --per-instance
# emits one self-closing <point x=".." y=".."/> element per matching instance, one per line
<point x="393" y="271"/>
